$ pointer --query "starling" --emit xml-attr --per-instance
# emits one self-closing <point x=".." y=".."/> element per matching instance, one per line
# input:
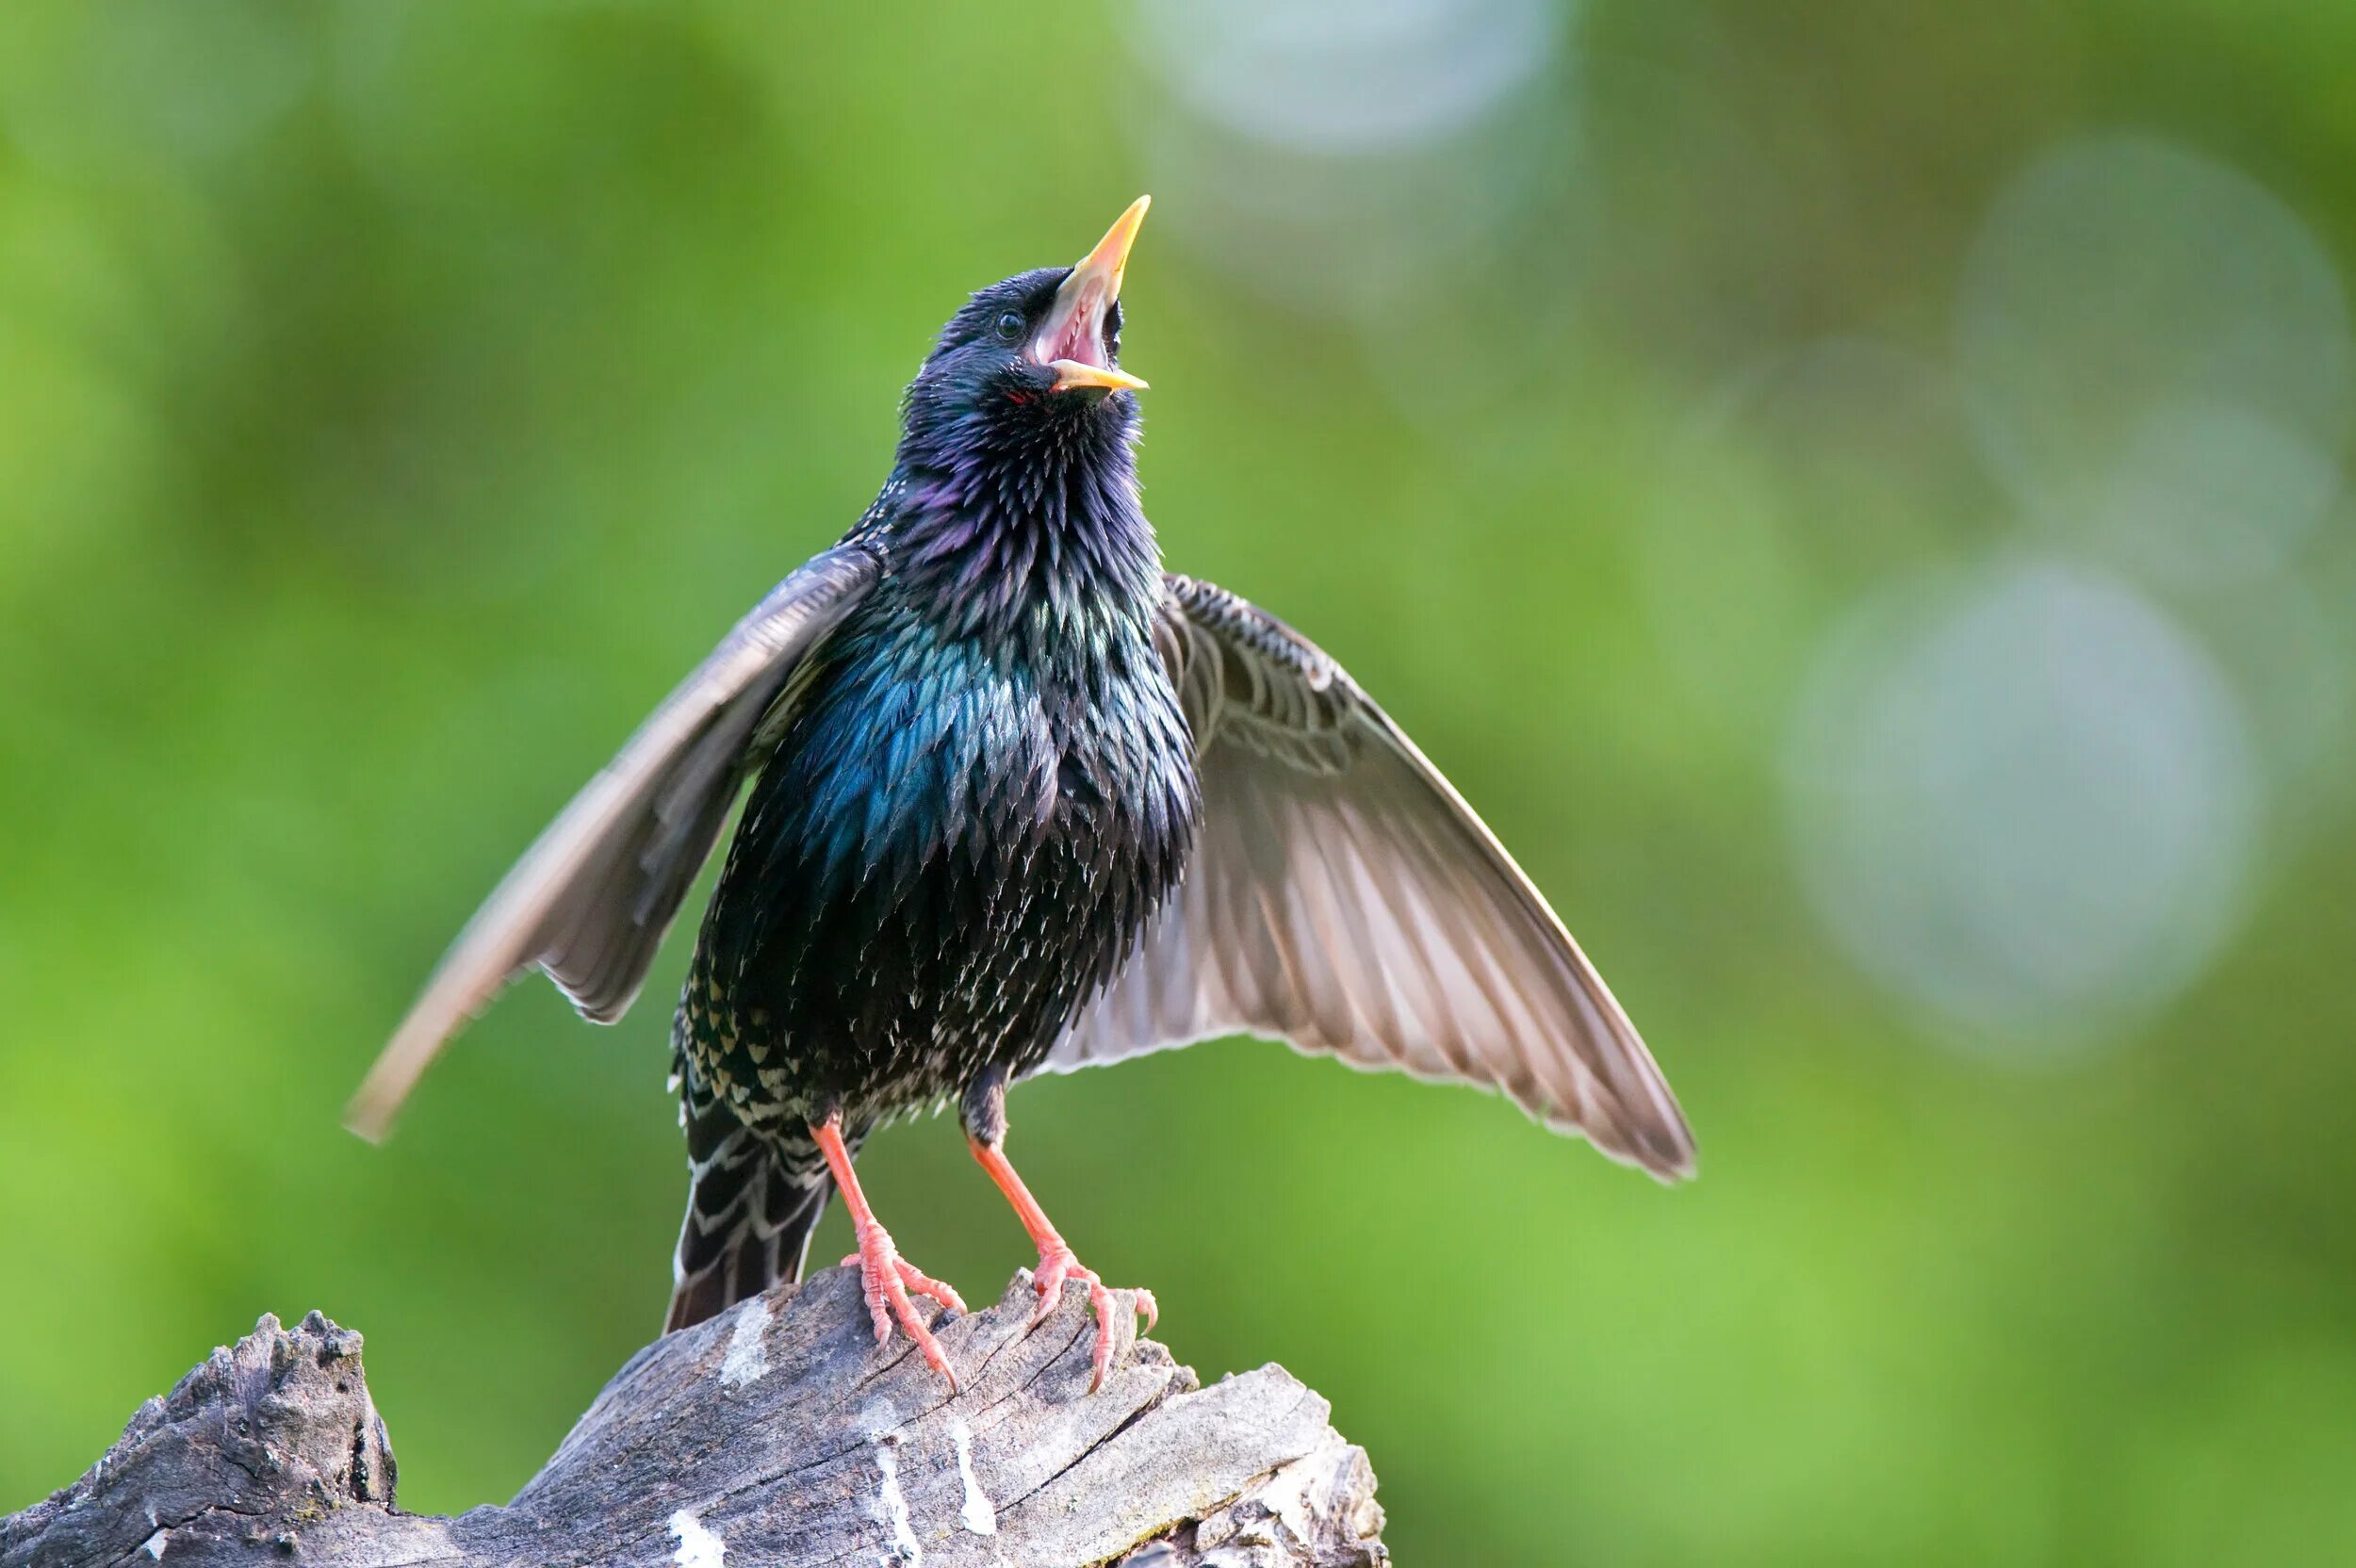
<point x="1021" y="801"/>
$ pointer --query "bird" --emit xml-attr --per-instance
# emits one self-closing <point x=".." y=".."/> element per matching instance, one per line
<point x="1016" y="800"/>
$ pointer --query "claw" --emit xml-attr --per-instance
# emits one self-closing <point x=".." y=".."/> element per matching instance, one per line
<point x="1054" y="1269"/>
<point x="1059" y="1267"/>
<point x="889" y="1280"/>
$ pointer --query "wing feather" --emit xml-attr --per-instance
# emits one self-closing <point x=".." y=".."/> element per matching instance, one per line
<point x="1344" y="898"/>
<point x="590" y="901"/>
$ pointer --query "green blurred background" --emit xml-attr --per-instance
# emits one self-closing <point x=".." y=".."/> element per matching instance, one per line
<point x="1855" y="492"/>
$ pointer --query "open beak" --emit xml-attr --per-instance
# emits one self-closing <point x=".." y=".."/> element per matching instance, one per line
<point x="1072" y="341"/>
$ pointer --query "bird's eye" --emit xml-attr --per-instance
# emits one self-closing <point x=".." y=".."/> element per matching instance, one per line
<point x="1009" y="326"/>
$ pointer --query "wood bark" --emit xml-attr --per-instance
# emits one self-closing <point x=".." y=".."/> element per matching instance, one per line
<point x="777" y="1435"/>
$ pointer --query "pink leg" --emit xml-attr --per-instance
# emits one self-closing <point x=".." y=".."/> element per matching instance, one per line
<point x="888" y="1277"/>
<point x="1056" y="1261"/>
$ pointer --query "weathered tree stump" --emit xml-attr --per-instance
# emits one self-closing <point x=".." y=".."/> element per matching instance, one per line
<point x="777" y="1435"/>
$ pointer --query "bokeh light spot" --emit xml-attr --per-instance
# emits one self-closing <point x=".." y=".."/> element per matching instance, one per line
<point x="1333" y="159"/>
<point x="2024" y="800"/>
<point x="2159" y="359"/>
<point x="1325" y="78"/>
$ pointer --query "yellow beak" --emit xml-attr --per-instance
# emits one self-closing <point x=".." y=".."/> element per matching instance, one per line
<point x="1070" y="373"/>
<point x="1073" y="373"/>
<point x="1077" y="318"/>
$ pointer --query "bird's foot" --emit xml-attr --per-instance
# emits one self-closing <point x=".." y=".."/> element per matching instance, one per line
<point x="1057" y="1266"/>
<point x="889" y="1280"/>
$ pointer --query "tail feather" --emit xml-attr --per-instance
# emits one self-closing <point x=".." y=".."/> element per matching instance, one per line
<point x="752" y="1205"/>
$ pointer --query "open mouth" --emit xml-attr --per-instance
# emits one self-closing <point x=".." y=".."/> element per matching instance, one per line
<point x="1070" y="341"/>
<point x="1077" y="335"/>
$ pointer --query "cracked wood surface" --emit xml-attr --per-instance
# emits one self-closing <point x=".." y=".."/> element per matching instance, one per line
<point x="776" y="1434"/>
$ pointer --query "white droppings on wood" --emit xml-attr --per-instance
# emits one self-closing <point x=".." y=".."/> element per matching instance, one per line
<point x="155" y="1544"/>
<point x="697" y="1546"/>
<point x="893" y="1508"/>
<point x="747" y="1357"/>
<point x="977" y="1516"/>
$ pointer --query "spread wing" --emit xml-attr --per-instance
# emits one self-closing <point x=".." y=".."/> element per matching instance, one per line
<point x="1344" y="898"/>
<point x="590" y="901"/>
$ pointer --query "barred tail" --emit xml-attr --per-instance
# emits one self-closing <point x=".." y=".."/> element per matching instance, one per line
<point x="752" y="1206"/>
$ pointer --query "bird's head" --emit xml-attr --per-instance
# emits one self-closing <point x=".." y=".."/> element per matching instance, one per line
<point x="1035" y="359"/>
